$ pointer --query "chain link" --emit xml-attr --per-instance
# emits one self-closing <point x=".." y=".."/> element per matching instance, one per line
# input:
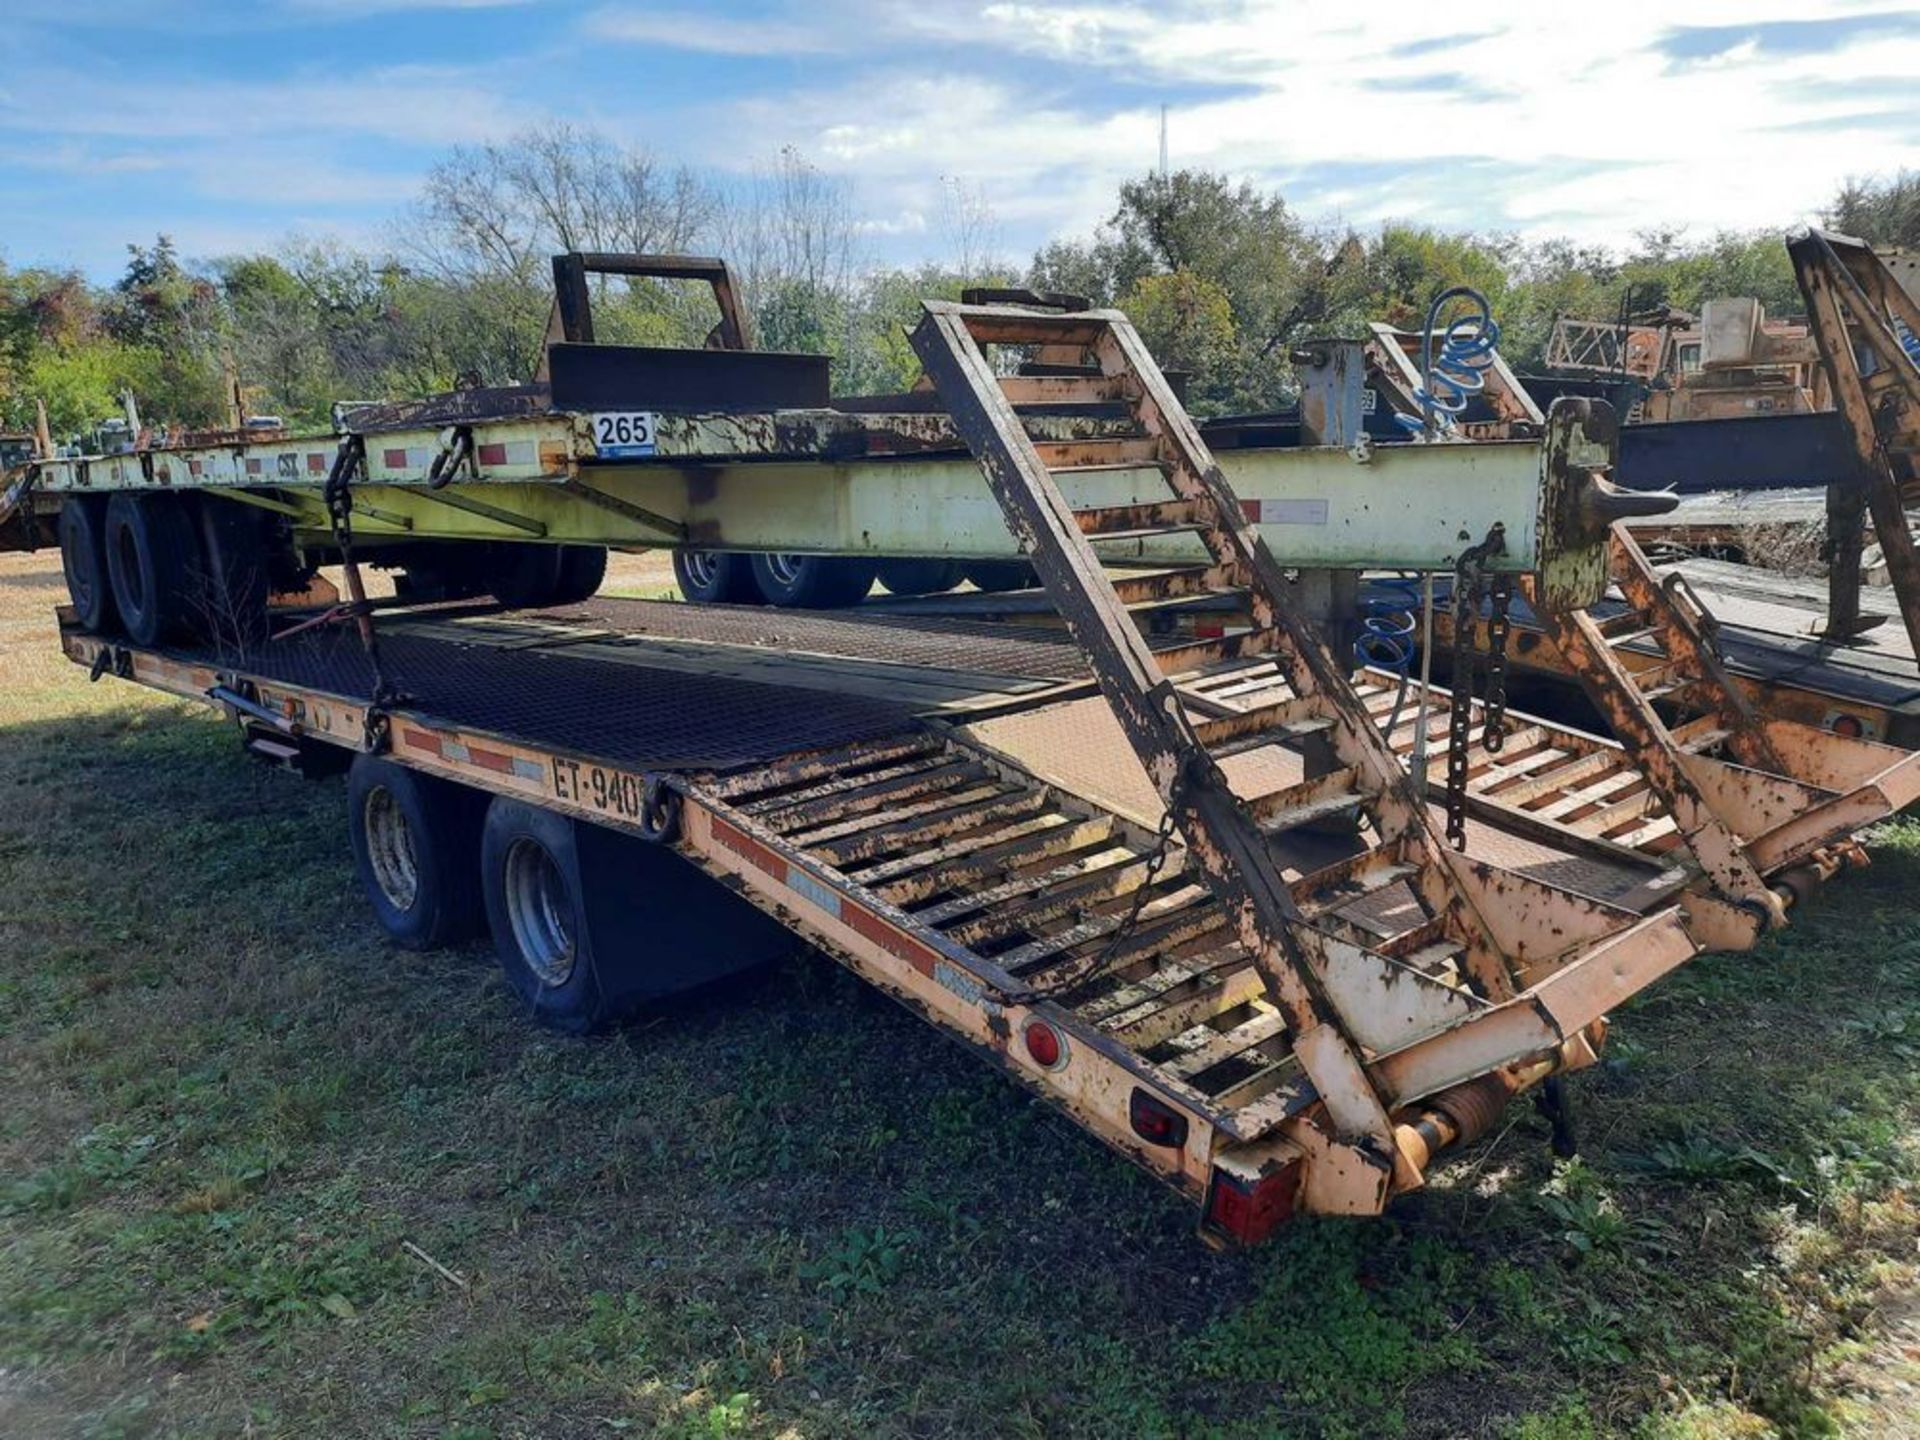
<point x="1156" y="862"/>
<point x="338" y="495"/>
<point x="1468" y="582"/>
<point x="1500" y="598"/>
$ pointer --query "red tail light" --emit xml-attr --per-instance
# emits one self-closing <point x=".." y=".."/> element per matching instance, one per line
<point x="1848" y="725"/>
<point x="1247" y="1211"/>
<point x="1044" y="1044"/>
<point x="1155" y="1121"/>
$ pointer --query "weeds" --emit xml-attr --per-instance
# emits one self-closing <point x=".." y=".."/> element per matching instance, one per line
<point x="865" y="1262"/>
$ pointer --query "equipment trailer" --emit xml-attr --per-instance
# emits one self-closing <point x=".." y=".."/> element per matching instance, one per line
<point x="1840" y="665"/>
<point x="1176" y="879"/>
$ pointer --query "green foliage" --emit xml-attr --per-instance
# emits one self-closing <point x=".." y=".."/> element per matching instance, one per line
<point x="1222" y="277"/>
<point x="1590" y="1218"/>
<point x="865" y="1262"/>
<point x="1883" y="213"/>
<point x="1406" y="266"/>
<point x="1573" y="1422"/>
<point x="1695" y="1159"/>
<point x="1187" y="321"/>
<point x="1345" y="1319"/>
<point x="81" y="385"/>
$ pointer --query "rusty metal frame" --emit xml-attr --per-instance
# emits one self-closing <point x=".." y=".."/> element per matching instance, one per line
<point x="1853" y="305"/>
<point x="1370" y="1057"/>
<point x="572" y="316"/>
<point x="1318" y="976"/>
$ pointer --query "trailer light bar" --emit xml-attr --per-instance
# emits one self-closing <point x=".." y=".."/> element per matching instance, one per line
<point x="1155" y="1121"/>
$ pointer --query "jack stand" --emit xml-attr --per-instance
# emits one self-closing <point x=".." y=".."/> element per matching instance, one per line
<point x="1553" y="1102"/>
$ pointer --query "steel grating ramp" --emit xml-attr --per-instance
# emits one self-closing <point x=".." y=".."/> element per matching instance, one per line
<point x="656" y="719"/>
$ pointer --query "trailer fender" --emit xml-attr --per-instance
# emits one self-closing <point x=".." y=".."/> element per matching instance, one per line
<point x="589" y="923"/>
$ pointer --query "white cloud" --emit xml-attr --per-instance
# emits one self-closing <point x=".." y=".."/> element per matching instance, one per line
<point x="1577" y="120"/>
<point x="1541" y="119"/>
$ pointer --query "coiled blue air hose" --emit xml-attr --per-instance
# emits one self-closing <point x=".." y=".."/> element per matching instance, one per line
<point x="1458" y="373"/>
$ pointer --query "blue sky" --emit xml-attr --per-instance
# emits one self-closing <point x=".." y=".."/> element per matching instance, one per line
<point x="236" y="126"/>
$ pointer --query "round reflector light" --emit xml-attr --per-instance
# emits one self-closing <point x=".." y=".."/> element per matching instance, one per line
<point x="1044" y="1044"/>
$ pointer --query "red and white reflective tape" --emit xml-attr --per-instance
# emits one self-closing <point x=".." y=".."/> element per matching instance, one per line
<point x="823" y="897"/>
<point x="457" y="753"/>
<point x="505" y="453"/>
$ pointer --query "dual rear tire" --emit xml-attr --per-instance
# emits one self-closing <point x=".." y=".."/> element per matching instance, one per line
<point x="83" y="560"/>
<point x="800" y="582"/>
<point x="165" y="567"/>
<point x="586" y="923"/>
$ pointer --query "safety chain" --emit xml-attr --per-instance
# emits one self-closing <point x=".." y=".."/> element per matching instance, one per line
<point x="351" y="458"/>
<point x="1500" y="597"/>
<point x="1156" y="862"/>
<point x="1469" y="581"/>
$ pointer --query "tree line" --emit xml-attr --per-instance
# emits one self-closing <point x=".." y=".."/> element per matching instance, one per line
<point x="1222" y="278"/>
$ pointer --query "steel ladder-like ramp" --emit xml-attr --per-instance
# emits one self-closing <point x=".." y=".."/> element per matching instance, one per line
<point x="1345" y="995"/>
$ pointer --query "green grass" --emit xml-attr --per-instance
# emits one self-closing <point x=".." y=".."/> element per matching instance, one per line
<point x="793" y="1210"/>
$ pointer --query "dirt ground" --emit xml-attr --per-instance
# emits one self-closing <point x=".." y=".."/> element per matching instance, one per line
<point x="261" y="1174"/>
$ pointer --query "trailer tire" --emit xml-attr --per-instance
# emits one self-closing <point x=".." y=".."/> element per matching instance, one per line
<point x="715" y="577"/>
<point x="812" y="582"/>
<point x="153" y="561"/>
<point x="416" y="850"/>
<point x="583" y="570"/>
<point x="83" y="560"/>
<point x="998" y="576"/>
<point x="920" y="577"/>
<point x="521" y="575"/>
<point x="530" y="879"/>
<point x="231" y="599"/>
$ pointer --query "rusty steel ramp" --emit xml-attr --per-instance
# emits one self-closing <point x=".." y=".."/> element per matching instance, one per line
<point x="1486" y="977"/>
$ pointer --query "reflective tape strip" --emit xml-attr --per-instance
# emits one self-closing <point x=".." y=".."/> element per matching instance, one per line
<point x="510" y="452"/>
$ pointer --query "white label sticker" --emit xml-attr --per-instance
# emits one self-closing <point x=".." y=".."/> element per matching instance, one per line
<point x="623" y="434"/>
<point x="1291" y="512"/>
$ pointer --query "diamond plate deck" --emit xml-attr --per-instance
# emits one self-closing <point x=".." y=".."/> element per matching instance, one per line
<point x="645" y="718"/>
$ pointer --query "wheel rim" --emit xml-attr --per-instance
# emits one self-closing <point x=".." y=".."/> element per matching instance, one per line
<point x="539" y="909"/>
<point x="396" y="869"/>
<point x="785" y="568"/>
<point x="703" y="567"/>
